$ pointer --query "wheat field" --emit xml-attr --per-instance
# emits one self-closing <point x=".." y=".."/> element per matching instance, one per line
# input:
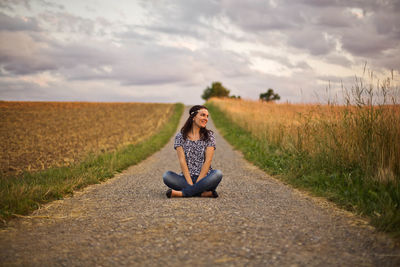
<point x="366" y="136"/>
<point x="39" y="135"/>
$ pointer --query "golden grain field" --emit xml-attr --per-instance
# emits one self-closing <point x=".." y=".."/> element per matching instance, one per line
<point x="368" y="136"/>
<point x="38" y="135"/>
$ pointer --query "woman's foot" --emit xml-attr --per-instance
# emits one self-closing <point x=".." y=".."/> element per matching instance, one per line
<point x="168" y="193"/>
<point x="213" y="194"/>
<point x="173" y="193"/>
<point x="206" y="194"/>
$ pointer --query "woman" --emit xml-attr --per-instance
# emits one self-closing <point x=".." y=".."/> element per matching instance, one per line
<point x="195" y="146"/>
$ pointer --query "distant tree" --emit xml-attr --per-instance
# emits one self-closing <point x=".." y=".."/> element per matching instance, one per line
<point x="235" y="97"/>
<point x="216" y="90"/>
<point x="269" y="96"/>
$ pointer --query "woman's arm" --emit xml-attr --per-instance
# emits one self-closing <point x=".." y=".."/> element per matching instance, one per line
<point x="207" y="163"/>
<point x="184" y="167"/>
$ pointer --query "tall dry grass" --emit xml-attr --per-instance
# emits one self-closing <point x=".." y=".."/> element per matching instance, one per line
<point x="364" y="132"/>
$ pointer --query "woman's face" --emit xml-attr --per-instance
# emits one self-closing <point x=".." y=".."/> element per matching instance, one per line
<point x="201" y="118"/>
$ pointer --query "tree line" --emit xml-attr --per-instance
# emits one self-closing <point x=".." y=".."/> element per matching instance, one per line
<point x="218" y="90"/>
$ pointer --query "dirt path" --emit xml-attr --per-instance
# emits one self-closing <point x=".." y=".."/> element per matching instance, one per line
<point x="257" y="221"/>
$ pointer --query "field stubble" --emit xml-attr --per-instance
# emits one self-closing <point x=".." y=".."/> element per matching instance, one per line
<point x="56" y="130"/>
<point x="39" y="135"/>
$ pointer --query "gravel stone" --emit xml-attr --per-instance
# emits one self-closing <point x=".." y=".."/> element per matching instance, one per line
<point x="256" y="221"/>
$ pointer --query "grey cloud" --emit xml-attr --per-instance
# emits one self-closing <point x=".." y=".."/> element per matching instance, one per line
<point x="20" y="54"/>
<point x="231" y="65"/>
<point x="135" y="64"/>
<point x="336" y="80"/>
<point x="181" y="30"/>
<point x="154" y="79"/>
<point x="183" y="17"/>
<point x="11" y="4"/>
<point x="189" y="11"/>
<point x="334" y="17"/>
<point x="332" y="21"/>
<point x="90" y="54"/>
<point x="299" y="25"/>
<point x="374" y="33"/>
<point x="188" y="18"/>
<point x="29" y="67"/>
<point x="387" y="23"/>
<point x="371" y="4"/>
<point x="338" y="60"/>
<point x="320" y="3"/>
<point x="361" y="43"/>
<point x="25" y="53"/>
<point x="132" y="33"/>
<point x="303" y="65"/>
<point x="52" y="5"/>
<point x="390" y="61"/>
<point x="69" y="23"/>
<point x="396" y="6"/>
<point x="282" y="60"/>
<point x="21" y="90"/>
<point x="14" y="4"/>
<point x="28" y="91"/>
<point x="260" y="16"/>
<point x="313" y="41"/>
<point x="8" y="23"/>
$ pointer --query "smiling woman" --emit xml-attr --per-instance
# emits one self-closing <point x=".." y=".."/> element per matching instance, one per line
<point x="195" y="146"/>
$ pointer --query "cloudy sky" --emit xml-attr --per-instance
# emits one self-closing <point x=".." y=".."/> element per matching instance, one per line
<point x="170" y="51"/>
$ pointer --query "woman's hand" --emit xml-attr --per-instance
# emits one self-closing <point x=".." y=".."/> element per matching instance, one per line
<point x="207" y="163"/>
<point x="189" y="181"/>
<point x="184" y="167"/>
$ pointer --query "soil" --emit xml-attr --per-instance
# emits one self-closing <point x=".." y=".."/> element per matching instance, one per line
<point x="256" y="221"/>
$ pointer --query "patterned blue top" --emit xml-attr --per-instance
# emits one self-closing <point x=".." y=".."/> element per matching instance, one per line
<point x="195" y="152"/>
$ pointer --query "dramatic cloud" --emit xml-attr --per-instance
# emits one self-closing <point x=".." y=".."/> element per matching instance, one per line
<point x="169" y="51"/>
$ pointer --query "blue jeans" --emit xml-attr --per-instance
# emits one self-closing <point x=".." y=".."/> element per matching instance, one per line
<point x="178" y="182"/>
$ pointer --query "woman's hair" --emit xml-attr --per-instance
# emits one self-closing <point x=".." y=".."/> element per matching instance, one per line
<point x="204" y="132"/>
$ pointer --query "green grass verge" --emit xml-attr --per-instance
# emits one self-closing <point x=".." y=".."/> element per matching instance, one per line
<point x="23" y="194"/>
<point x="344" y="186"/>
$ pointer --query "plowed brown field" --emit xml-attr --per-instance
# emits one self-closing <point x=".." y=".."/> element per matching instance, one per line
<point x="38" y="135"/>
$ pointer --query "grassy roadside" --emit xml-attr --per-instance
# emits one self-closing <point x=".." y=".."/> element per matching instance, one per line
<point x="23" y="194"/>
<point x="346" y="187"/>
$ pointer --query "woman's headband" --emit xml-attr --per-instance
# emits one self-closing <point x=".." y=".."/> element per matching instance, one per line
<point x="195" y="110"/>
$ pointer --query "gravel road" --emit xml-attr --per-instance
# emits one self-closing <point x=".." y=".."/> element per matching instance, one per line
<point x="256" y="221"/>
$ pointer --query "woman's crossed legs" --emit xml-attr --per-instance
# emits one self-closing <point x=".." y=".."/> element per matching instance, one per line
<point x="201" y="188"/>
